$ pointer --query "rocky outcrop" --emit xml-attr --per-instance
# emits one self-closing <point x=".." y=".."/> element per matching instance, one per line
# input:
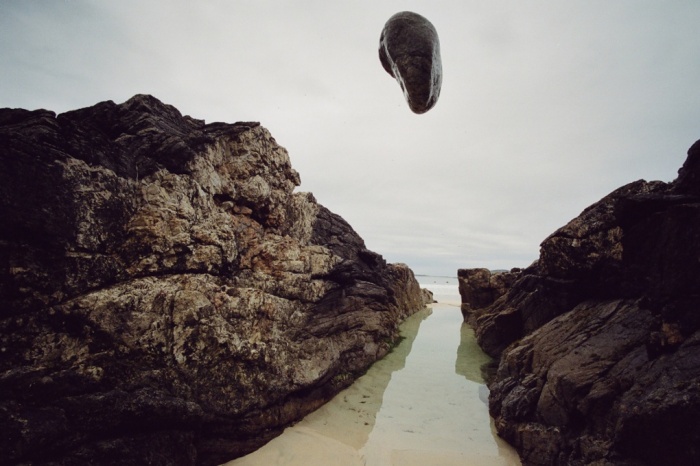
<point x="409" y="50"/>
<point x="599" y="340"/>
<point x="165" y="296"/>
<point x="480" y="288"/>
<point x="428" y="297"/>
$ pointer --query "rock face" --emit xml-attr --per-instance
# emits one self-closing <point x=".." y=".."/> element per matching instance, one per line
<point x="599" y="340"/>
<point x="428" y="297"/>
<point x="165" y="297"/>
<point x="479" y="288"/>
<point x="409" y="50"/>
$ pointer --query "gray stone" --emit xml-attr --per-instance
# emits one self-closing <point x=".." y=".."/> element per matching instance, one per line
<point x="409" y="50"/>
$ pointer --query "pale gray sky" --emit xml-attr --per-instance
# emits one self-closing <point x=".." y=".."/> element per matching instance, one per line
<point x="546" y="106"/>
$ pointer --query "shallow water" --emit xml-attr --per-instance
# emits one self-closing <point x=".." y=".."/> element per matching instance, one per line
<point x="424" y="403"/>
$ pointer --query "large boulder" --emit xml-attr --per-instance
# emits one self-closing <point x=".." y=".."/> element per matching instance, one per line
<point x="409" y="50"/>
<point x="165" y="296"/>
<point x="599" y="340"/>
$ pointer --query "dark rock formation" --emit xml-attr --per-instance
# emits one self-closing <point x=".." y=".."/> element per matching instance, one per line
<point x="480" y="288"/>
<point x="165" y="297"/>
<point x="599" y="340"/>
<point x="409" y="50"/>
<point x="428" y="297"/>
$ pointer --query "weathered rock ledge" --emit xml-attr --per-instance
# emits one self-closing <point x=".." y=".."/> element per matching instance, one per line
<point x="165" y="296"/>
<point x="599" y="340"/>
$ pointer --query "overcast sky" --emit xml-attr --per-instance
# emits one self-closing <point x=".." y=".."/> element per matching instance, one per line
<point x="546" y="106"/>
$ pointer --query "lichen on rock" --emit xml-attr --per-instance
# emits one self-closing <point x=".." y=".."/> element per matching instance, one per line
<point x="165" y="295"/>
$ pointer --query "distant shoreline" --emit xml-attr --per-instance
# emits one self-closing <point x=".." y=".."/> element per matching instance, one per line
<point x="436" y="276"/>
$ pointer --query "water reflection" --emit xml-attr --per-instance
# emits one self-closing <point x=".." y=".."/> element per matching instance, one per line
<point x="418" y="405"/>
<point x="335" y="433"/>
<point x="470" y="358"/>
<point x="433" y="410"/>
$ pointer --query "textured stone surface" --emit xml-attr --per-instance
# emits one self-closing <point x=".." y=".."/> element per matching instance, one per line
<point x="480" y="288"/>
<point x="409" y="50"/>
<point x="165" y="296"/>
<point x="428" y="297"/>
<point x="582" y="260"/>
<point x="599" y="339"/>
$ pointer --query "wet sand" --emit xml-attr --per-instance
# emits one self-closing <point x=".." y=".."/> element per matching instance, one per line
<point x="424" y="403"/>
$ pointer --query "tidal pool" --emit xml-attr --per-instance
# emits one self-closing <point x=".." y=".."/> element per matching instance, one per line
<point x="424" y="403"/>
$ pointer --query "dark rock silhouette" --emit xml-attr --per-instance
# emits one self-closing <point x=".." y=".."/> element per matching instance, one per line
<point x="599" y="339"/>
<point x="409" y="50"/>
<point x="479" y="288"/>
<point x="165" y="297"/>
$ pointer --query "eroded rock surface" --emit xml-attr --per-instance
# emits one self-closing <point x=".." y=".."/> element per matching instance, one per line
<point x="428" y="297"/>
<point x="165" y="296"/>
<point x="480" y="288"/>
<point x="409" y="50"/>
<point x="599" y="340"/>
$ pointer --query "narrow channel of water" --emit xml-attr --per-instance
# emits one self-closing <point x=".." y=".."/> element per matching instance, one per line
<point x="425" y="403"/>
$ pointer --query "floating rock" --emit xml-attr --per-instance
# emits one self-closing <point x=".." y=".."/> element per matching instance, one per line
<point x="409" y="50"/>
